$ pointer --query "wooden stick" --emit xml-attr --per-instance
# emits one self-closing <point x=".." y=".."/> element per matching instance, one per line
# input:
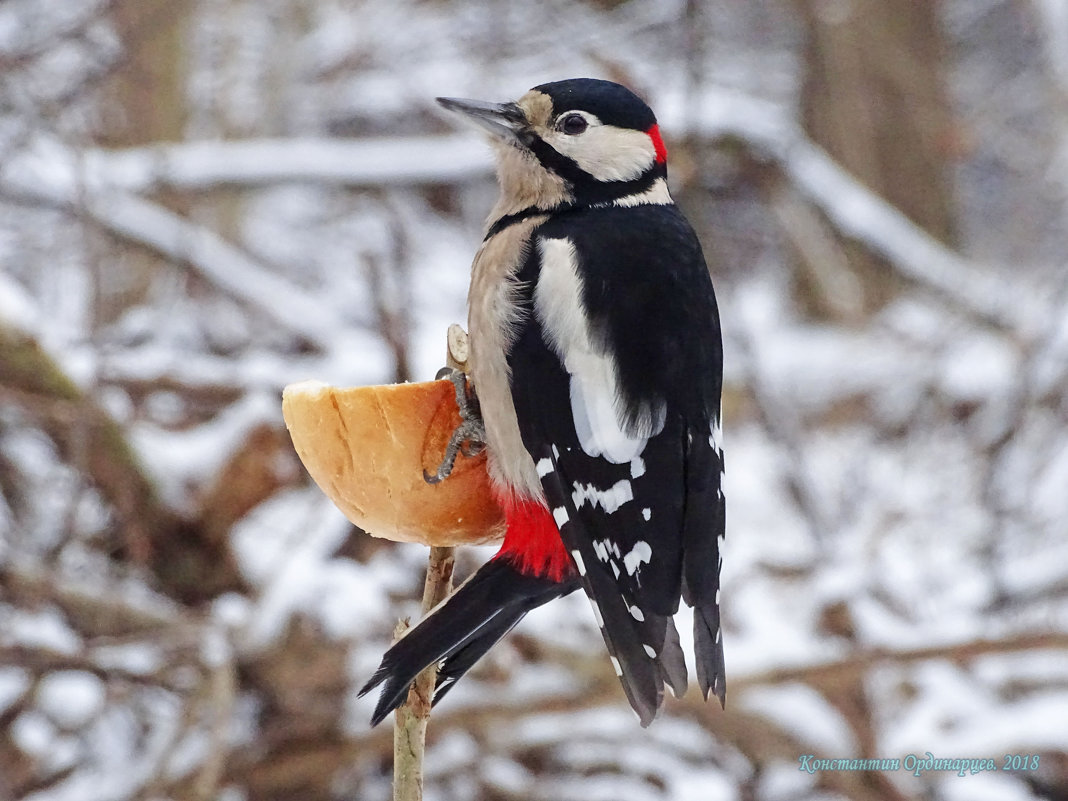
<point x="411" y="718"/>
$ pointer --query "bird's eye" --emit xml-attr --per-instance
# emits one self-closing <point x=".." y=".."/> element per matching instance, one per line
<point x="572" y="124"/>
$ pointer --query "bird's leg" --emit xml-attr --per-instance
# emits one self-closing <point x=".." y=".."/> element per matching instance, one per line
<point x="468" y="438"/>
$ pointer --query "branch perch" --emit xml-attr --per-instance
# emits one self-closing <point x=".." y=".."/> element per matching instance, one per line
<point x="412" y="717"/>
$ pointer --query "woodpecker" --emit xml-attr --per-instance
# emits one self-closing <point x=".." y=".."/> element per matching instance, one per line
<point x="596" y="359"/>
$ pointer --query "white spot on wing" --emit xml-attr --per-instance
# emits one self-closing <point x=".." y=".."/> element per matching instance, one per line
<point x="616" y="666"/>
<point x="715" y="435"/>
<point x="544" y="467"/>
<point x="637" y="614"/>
<point x="577" y="556"/>
<point x="610" y="499"/>
<point x="647" y="513"/>
<point x="605" y="551"/>
<point x="560" y="516"/>
<point x="649" y="650"/>
<point x="639" y="554"/>
<point x="597" y="613"/>
<point x="637" y="467"/>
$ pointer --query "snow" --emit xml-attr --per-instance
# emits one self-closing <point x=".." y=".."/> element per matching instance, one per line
<point x="43" y="628"/>
<point x="366" y="162"/>
<point x="984" y="787"/>
<point x="138" y="659"/>
<point x="292" y="564"/>
<point x="702" y="785"/>
<point x="507" y="777"/>
<point x="14" y="682"/>
<point x="17" y="307"/>
<point x="33" y="733"/>
<point x="178" y="459"/>
<point x="800" y="709"/>
<point x="71" y="698"/>
<point x="784" y="782"/>
<point x="978" y="367"/>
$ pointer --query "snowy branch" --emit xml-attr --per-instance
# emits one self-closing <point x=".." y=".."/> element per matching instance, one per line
<point x="223" y="264"/>
<point x="855" y="211"/>
<point x="53" y="175"/>
<point x="852" y="208"/>
<point x="195" y="166"/>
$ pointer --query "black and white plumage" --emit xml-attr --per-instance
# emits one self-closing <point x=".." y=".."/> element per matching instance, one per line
<point x="597" y="360"/>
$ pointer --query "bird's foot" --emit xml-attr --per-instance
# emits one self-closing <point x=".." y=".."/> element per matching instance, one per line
<point x="468" y="438"/>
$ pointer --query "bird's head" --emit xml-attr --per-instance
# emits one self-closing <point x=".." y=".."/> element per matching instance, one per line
<point x="576" y="142"/>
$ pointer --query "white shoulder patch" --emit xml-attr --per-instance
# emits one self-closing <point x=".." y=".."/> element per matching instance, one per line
<point x="594" y="387"/>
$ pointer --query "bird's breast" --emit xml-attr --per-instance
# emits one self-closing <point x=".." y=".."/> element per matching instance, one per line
<point x="493" y="319"/>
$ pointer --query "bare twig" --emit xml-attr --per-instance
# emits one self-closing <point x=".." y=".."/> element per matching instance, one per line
<point x="410" y="721"/>
<point x="861" y="662"/>
<point x="409" y="733"/>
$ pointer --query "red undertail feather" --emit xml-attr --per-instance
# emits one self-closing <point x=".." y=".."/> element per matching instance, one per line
<point x="658" y="143"/>
<point x="532" y="541"/>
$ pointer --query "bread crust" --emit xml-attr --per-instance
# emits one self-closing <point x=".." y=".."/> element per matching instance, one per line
<point x="367" y="448"/>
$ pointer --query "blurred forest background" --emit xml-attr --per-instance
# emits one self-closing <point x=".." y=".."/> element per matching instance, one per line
<point x="204" y="200"/>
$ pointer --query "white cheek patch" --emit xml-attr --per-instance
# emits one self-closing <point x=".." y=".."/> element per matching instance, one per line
<point x="606" y="152"/>
<point x="594" y="387"/>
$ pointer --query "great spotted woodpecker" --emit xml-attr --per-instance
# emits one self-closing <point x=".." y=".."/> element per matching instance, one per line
<point x="596" y="358"/>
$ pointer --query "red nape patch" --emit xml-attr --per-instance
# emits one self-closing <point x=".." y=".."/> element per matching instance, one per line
<point x="658" y="143"/>
<point x="532" y="541"/>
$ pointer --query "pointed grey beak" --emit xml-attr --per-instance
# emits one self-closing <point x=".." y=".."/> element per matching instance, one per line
<point x="504" y="121"/>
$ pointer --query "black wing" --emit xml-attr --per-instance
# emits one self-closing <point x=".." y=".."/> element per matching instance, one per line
<point x="646" y="531"/>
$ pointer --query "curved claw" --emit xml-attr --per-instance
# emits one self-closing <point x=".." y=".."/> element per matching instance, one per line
<point x="469" y="437"/>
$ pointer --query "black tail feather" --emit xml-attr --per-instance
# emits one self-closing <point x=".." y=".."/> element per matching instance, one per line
<point x="708" y="651"/>
<point x="457" y="664"/>
<point x="672" y="661"/>
<point x="639" y="674"/>
<point x="703" y="531"/>
<point x="460" y="631"/>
